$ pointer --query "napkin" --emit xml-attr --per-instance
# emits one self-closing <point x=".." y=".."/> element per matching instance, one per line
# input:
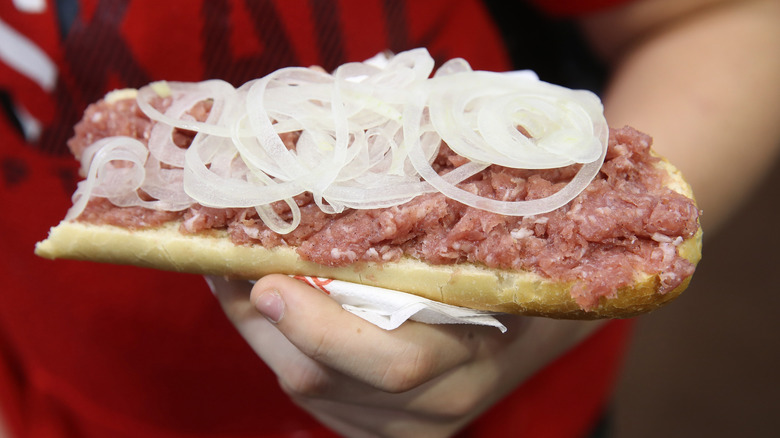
<point x="388" y="309"/>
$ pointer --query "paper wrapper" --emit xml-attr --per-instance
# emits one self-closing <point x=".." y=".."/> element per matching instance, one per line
<point x="389" y="309"/>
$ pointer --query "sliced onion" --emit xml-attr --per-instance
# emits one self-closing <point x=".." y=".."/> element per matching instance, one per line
<point x="166" y="185"/>
<point x="222" y="191"/>
<point x="368" y="134"/>
<point x="116" y="171"/>
<point x="218" y="90"/>
<point x="480" y="121"/>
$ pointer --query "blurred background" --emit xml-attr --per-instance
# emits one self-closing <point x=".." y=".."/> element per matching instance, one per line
<point x="708" y="365"/>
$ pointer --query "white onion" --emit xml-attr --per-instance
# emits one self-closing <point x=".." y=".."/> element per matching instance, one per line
<point x="116" y="171"/>
<point x="368" y="134"/>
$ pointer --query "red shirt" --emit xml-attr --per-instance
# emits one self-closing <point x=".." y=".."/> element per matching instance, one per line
<point x="91" y="350"/>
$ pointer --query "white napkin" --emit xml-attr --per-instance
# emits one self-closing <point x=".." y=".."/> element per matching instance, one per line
<point x="388" y="309"/>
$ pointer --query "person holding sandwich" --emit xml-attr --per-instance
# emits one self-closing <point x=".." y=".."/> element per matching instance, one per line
<point x="90" y="350"/>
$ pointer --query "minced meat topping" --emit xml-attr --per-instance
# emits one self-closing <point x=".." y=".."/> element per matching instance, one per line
<point x="625" y="220"/>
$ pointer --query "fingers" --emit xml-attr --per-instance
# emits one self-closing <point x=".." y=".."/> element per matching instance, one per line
<point x="393" y="361"/>
<point x="355" y="376"/>
<point x="315" y="346"/>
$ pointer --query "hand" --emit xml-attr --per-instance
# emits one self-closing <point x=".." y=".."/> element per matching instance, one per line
<point x="360" y="380"/>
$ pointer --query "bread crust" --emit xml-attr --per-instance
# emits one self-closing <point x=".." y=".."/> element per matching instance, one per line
<point x="467" y="285"/>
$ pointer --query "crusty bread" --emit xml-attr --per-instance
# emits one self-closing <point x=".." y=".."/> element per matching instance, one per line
<point x="465" y="285"/>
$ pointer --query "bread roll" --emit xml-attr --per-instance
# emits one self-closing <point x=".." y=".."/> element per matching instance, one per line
<point x="466" y="285"/>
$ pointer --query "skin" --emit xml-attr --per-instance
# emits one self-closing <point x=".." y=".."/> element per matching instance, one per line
<point x="702" y="79"/>
<point x="365" y="381"/>
<point x="701" y="76"/>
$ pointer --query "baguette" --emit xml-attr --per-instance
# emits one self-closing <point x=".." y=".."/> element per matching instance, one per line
<point x="467" y="285"/>
<point x="464" y="282"/>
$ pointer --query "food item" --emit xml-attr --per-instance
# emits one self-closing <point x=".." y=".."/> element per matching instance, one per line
<point x="485" y="190"/>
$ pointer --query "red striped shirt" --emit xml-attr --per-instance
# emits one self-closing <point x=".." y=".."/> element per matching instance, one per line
<point x="95" y="350"/>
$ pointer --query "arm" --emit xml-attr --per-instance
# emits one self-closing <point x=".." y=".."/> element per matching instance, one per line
<point x="701" y="77"/>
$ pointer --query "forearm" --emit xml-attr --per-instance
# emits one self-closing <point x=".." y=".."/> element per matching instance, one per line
<point x="707" y="88"/>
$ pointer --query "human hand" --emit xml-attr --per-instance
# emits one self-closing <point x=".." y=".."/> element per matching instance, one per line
<point x="361" y="380"/>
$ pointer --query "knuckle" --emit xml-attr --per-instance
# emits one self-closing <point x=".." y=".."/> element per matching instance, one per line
<point x="304" y="381"/>
<point x="462" y="404"/>
<point x="408" y="370"/>
<point x="320" y="345"/>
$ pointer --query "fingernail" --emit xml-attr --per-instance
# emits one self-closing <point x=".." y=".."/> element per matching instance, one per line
<point x="271" y="305"/>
